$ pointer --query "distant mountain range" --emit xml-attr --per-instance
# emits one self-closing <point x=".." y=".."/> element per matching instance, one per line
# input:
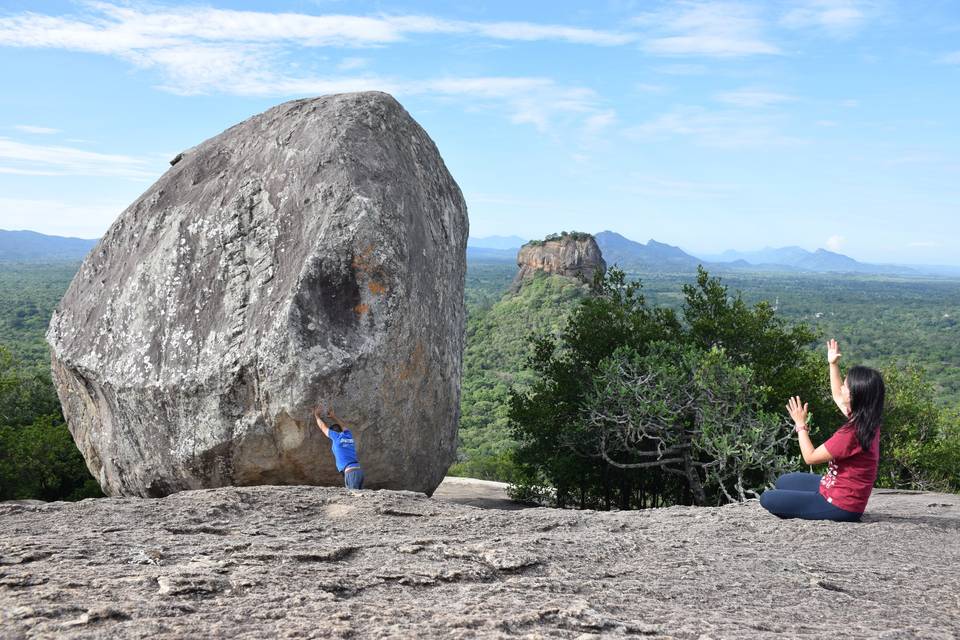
<point x="820" y="260"/>
<point x="30" y="246"/>
<point x="657" y="256"/>
<point x="503" y="243"/>
<point x="491" y="255"/>
<point x="653" y="256"/>
<point x="494" y="248"/>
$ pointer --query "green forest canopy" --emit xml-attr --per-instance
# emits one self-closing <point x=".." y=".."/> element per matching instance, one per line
<point x="879" y="320"/>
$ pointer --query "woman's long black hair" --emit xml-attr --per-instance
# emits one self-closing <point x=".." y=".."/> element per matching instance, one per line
<point x="866" y="402"/>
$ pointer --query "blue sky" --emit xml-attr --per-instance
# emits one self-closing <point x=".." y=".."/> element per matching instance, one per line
<point x="708" y="125"/>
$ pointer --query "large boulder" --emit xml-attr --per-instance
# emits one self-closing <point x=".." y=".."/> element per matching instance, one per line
<point x="313" y="253"/>
<point x="573" y="255"/>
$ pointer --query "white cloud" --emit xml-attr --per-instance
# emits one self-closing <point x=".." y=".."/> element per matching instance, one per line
<point x="348" y="64"/>
<point x="702" y="28"/>
<point x="839" y="18"/>
<point x="643" y="87"/>
<point x="49" y="160"/>
<point x="491" y="87"/>
<point x="527" y="31"/>
<point x="835" y="243"/>
<point x="540" y="102"/>
<point x="17" y="171"/>
<point x="917" y="156"/>
<point x="56" y="217"/>
<point x="29" y="128"/>
<point x="110" y="28"/>
<point x="200" y="68"/>
<point x="201" y="50"/>
<point x="850" y="103"/>
<point x="951" y="58"/>
<point x="721" y="129"/>
<point x="600" y="121"/>
<point x="754" y="98"/>
<point x="681" y="69"/>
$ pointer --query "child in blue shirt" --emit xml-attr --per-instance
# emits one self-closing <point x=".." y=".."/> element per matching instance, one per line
<point x="344" y="450"/>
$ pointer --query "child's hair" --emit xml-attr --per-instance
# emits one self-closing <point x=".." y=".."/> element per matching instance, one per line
<point x="866" y="402"/>
<point x="336" y="427"/>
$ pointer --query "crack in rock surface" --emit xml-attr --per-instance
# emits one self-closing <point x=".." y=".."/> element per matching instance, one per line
<point x="316" y="562"/>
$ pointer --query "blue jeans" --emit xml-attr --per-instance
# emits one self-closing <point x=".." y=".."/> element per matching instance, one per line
<point x="353" y="478"/>
<point x="798" y="496"/>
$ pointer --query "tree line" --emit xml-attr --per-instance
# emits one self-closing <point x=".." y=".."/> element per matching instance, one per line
<point x="620" y="403"/>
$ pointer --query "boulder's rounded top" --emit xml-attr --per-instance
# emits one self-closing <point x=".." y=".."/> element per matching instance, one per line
<point x="356" y="99"/>
<point x="301" y="122"/>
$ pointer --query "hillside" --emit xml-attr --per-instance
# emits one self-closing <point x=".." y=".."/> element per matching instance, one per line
<point x="270" y="562"/>
<point x="498" y="339"/>
<point x="29" y="246"/>
<point x="28" y="295"/>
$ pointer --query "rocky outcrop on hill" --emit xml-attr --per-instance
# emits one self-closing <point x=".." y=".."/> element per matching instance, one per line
<point x="268" y="562"/>
<point x="574" y="255"/>
<point x="315" y="252"/>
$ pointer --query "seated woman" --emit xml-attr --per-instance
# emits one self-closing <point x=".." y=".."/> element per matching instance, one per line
<point x="853" y="452"/>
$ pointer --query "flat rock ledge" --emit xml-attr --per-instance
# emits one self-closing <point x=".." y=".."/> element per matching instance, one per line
<point x="320" y="562"/>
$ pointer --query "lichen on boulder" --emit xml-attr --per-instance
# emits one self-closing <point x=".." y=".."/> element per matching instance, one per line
<point x="312" y="253"/>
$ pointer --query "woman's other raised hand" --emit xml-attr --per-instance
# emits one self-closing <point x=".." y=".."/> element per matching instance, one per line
<point x="833" y="352"/>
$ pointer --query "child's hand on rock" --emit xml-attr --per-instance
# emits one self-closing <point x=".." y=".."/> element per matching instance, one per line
<point x="318" y="412"/>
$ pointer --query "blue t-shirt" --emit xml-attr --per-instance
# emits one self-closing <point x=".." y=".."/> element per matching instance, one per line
<point x="344" y="453"/>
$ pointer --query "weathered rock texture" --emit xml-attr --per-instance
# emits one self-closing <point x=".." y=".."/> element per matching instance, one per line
<point x="309" y="562"/>
<point x="573" y="256"/>
<point x="313" y="252"/>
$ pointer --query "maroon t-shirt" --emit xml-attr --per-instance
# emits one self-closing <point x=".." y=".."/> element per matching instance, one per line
<point x="850" y="475"/>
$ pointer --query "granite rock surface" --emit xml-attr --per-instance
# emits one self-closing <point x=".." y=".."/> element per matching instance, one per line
<point x="317" y="562"/>
<point x="312" y="253"/>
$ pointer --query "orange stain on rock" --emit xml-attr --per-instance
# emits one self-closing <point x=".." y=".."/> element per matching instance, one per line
<point x="361" y="309"/>
<point x="415" y="365"/>
<point x="376" y="288"/>
<point x="362" y="261"/>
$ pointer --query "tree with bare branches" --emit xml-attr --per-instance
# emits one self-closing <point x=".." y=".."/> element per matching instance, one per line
<point x="687" y="412"/>
<point x="634" y="406"/>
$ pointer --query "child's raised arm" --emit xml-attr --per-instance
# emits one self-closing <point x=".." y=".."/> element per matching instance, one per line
<point x="318" y="416"/>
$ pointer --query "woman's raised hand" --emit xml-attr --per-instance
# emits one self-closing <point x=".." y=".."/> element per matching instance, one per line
<point x="798" y="411"/>
<point x="833" y="352"/>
